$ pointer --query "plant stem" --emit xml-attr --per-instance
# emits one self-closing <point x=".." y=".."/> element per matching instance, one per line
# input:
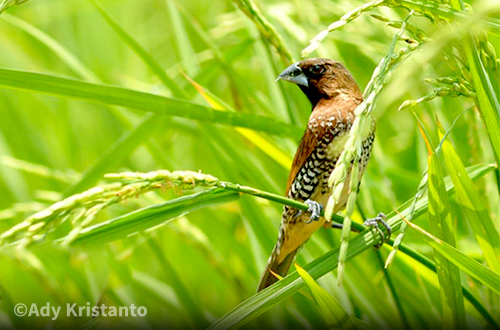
<point x="276" y="198"/>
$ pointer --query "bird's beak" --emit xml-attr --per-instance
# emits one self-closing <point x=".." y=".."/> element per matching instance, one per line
<point x="295" y="75"/>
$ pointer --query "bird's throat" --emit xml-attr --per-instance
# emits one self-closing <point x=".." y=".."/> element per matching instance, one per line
<point x="312" y="94"/>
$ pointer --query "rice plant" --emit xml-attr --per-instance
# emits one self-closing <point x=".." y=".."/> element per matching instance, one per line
<point x="145" y="148"/>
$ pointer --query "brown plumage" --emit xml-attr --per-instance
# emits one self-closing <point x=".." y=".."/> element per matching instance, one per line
<point x="334" y="95"/>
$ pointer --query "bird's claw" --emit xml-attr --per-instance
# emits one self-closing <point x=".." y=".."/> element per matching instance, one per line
<point x="315" y="209"/>
<point x="374" y="223"/>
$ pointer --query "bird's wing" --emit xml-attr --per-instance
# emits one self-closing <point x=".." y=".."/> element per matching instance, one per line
<point x="306" y="147"/>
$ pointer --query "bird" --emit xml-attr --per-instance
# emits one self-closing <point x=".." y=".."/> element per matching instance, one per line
<point x="334" y="95"/>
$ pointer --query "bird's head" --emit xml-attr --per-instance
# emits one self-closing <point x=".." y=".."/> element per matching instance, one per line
<point x="321" y="78"/>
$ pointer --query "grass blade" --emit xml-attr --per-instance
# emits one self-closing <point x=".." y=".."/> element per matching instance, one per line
<point x="330" y="308"/>
<point x="64" y="54"/>
<point x="481" y="273"/>
<point x="255" y="138"/>
<point x="487" y="100"/>
<point x="422" y="188"/>
<point x="141" y="52"/>
<point x="151" y="216"/>
<point x="441" y="225"/>
<point x="186" y="54"/>
<point x="480" y="307"/>
<point x="105" y="94"/>
<point x="473" y="206"/>
<point x="486" y="96"/>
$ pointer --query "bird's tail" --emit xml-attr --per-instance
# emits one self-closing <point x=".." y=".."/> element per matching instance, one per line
<point x="280" y="268"/>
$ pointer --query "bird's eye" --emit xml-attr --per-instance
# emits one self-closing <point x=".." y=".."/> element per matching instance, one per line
<point x="317" y="69"/>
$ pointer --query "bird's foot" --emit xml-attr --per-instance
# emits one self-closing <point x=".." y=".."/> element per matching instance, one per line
<point x="374" y="223"/>
<point x="315" y="209"/>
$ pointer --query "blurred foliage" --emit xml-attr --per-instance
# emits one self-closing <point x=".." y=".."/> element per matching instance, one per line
<point x="90" y="88"/>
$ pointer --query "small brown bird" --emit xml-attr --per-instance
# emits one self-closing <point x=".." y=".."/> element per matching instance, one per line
<point x="334" y="96"/>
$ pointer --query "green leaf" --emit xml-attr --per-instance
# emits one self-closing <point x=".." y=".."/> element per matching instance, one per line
<point x="481" y="273"/>
<point x="105" y="94"/>
<point x="487" y="100"/>
<point x="258" y="140"/>
<point x="183" y="44"/>
<point x="151" y="216"/>
<point x="473" y="206"/>
<point x="278" y="292"/>
<point x="62" y="52"/>
<point x="441" y="225"/>
<point x="330" y="308"/>
<point x="486" y="95"/>
<point x="141" y="52"/>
